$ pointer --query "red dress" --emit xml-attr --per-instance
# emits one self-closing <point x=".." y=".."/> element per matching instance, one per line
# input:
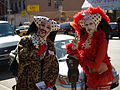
<point x="93" y="57"/>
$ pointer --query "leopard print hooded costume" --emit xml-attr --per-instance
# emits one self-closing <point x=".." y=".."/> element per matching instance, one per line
<point x="35" y="67"/>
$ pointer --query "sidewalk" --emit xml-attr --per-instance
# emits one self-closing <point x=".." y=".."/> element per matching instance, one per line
<point x="4" y="88"/>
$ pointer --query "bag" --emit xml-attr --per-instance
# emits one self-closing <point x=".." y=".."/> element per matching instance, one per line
<point x="14" y="67"/>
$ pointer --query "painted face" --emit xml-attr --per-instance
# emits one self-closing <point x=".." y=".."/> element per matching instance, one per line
<point x="44" y="29"/>
<point x="90" y="26"/>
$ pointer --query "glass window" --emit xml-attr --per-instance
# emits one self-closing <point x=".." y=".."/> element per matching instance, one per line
<point x="113" y="26"/>
<point x="5" y="29"/>
<point x="22" y="28"/>
<point x="60" y="48"/>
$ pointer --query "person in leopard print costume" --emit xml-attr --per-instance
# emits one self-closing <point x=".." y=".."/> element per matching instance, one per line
<point x="38" y="65"/>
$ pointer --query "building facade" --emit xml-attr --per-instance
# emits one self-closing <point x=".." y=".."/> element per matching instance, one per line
<point x="3" y="9"/>
<point x="111" y="7"/>
<point x="61" y="10"/>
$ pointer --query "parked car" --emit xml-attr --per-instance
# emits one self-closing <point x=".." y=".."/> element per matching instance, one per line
<point x="26" y="23"/>
<point x="63" y="69"/>
<point x="66" y="28"/>
<point x="62" y="81"/>
<point x="115" y="32"/>
<point x="8" y="42"/>
<point x="62" y="56"/>
<point x="21" y="30"/>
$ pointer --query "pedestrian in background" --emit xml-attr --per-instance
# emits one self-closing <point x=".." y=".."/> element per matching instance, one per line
<point x="91" y="47"/>
<point x="20" y="24"/>
<point x="38" y="66"/>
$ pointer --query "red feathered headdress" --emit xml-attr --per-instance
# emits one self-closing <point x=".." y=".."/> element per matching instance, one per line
<point x="91" y="10"/>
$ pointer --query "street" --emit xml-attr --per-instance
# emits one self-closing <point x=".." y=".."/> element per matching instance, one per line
<point x="114" y="53"/>
<point x="7" y="80"/>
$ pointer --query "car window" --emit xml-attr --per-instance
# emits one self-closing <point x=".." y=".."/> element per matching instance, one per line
<point x="113" y="26"/>
<point x="22" y="28"/>
<point x="26" y="27"/>
<point x="5" y="29"/>
<point x="60" y="48"/>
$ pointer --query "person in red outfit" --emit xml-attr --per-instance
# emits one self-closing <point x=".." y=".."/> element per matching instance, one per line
<point x="91" y="47"/>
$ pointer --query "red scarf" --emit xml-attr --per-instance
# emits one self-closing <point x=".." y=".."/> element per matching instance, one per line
<point x="41" y="49"/>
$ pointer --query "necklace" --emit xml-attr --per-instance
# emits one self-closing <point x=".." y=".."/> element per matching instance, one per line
<point x="87" y="43"/>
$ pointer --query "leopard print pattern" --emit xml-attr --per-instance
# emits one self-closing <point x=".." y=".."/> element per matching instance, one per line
<point x="50" y="72"/>
<point x="33" y="69"/>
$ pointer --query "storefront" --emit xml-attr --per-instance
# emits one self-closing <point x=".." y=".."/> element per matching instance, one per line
<point x="111" y="7"/>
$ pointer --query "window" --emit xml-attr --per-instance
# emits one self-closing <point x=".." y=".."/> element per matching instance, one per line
<point x="5" y="29"/>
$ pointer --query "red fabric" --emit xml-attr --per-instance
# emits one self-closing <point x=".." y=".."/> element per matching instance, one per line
<point x="93" y="57"/>
<point x="79" y="16"/>
<point x="69" y="50"/>
<point x="90" y="10"/>
<point x="42" y="49"/>
<point x="48" y="84"/>
<point x="101" y="52"/>
<point x="95" y="80"/>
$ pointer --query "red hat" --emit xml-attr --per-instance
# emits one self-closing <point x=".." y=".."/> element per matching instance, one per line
<point x="90" y="11"/>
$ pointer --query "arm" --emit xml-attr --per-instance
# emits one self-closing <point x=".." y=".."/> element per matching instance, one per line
<point x="25" y="49"/>
<point x="70" y="50"/>
<point x="50" y="62"/>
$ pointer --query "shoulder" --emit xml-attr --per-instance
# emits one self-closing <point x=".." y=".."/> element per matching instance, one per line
<point x="25" y="39"/>
<point x="100" y="34"/>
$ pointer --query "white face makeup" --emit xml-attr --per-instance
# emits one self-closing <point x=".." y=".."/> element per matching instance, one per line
<point x="44" y="29"/>
<point x="45" y="26"/>
<point x="90" y="26"/>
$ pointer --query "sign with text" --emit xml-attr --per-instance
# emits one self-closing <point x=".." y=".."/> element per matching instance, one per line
<point x="24" y="13"/>
<point x="33" y="8"/>
<point x="105" y="4"/>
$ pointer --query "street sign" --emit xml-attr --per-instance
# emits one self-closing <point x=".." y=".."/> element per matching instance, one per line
<point x="33" y="8"/>
<point x="24" y="13"/>
<point x="105" y="4"/>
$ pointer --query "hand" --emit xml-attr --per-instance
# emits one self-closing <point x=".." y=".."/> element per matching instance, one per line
<point x="75" y="44"/>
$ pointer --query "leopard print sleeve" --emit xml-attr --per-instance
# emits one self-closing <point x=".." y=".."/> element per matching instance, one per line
<point x="26" y="50"/>
<point x="50" y="64"/>
<point x="50" y="46"/>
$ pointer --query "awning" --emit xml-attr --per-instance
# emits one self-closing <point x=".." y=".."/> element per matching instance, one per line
<point x="105" y="4"/>
<point x="86" y="4"/>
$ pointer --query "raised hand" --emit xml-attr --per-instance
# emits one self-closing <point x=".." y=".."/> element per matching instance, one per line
<point x="75" y="42"/>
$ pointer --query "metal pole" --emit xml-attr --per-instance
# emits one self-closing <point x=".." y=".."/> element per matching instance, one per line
<point x="8" y="3"/>
<point x="60" y="8"/>
<point x="9" y="12"/>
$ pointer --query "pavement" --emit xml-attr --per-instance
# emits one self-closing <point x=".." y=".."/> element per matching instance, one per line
<point x="4" y="87"/>
<point x="8" y="86"/>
